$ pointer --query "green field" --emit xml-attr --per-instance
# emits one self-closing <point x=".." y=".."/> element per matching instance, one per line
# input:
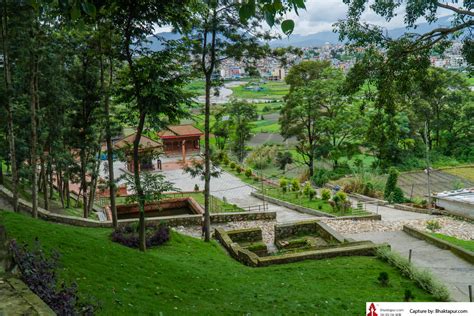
<point x="197" y="87"/>
<point x="462" y="172"/>
<point x="265" y="126"/>
<point x="269" y="90"/>
<point x="466" y="244"/>
<point x="188" y="276"/>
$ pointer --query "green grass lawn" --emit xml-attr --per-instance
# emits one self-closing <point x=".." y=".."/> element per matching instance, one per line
<point x="466" y="244"/>
<point x="270" y="90"/>
<point x="188" y="276"/>
<point x="196" y="86"/>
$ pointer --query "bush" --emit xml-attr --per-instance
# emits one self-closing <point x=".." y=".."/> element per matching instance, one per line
<point x="38" y="271"/>
<point x="283" y="159"/>
<point x="397" y="196"/>
<point x="391" y="183"/>
<point x="424" y="279"/>
<point x="309" y="191"/>
<point x="232" y="165"/>
<point x="283" y="184"/>
<point x="248" y="172"/>
<point x="383" y="278"/>
<point x="295" y="185"/>
<point x="196" y="187"/>
<point x="408" y="297"/>
<point x="369" y="189"/>
<point x="238" y="169"/>
<point x="321" y="177"/>
<point x="127" y="235"/>
<point x="340" y="202"/>
<point x="225" y="161"/>
<point x="433" y="225"/>
<point x="325" y="194"/>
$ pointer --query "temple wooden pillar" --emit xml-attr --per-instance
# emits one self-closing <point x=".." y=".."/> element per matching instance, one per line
<point x="183" y="150"/>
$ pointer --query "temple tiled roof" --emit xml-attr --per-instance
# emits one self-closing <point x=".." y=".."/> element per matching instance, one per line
<point x="145" y="142"/>
<point x="173" y="131"/>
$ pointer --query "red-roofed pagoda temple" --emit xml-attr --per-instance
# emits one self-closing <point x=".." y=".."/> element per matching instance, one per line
<point x="180" y="139"/>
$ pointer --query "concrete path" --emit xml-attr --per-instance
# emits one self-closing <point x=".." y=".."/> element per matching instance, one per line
<point x="391" y="214"/>
<point x="454" y="272"/>
<point x="235" y="191"/>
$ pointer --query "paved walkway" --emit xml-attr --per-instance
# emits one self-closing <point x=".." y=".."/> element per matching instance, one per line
<point x="234" y="191"/>
<point x="454" y="272"/>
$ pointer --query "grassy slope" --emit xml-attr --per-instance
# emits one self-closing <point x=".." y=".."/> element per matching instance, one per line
<point x="189" y="276"/>
<point x="466" y="244"/>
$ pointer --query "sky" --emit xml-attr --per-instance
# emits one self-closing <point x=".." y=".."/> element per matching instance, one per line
<point x="320" y="15"/>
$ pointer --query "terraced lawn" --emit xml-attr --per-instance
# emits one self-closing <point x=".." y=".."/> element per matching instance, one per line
<point x="466" y="244"/>
<point x="269" y="90"/>
<point x="462" y="172"/>
<point x="188" y="276"/>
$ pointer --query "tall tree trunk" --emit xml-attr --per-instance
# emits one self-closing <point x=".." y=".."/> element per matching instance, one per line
<point x="138" y="186"/>
<point x="44" y="174"/>
<point x="108" y="135"/>
<point x="1" y="173"/>
<point x="83" y="188"/>
<point x="10" y="125"/>
<point x="207" y="160"/>
<point x="34" y="135"/>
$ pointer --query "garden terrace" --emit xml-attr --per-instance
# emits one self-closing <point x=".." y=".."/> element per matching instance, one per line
<point x="171" y="278"/>
<point x="295" y="242"/>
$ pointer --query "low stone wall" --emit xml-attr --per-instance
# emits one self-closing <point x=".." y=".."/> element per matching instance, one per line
<point x="246" y="235"/>
<point x="408" y="208"/>
<point x="368" y="199"/>
<point x="310" y="227"/>
<point x="344" y="248"/>
<point x="242" y="216"/>
<point x="291" y="206"/>
<point x="458" y="251"/>
<point x="369" y="217"/>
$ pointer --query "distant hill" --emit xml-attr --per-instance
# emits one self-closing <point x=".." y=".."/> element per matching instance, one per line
<point x="320" y="38"/>
<point x="316" y="39"/>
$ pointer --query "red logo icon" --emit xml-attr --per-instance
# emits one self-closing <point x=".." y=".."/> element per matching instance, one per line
<point x="372" y="310"/>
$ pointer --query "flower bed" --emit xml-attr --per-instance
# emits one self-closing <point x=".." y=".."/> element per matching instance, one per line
<point x="127" y="235"/>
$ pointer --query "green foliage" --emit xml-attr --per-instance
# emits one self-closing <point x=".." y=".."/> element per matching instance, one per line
<point x="383" y="278"/>
<point x="325" y="194"/>
<point x="391" y="183"/>
<point x="196" y="187"/>
<point x="397" y="196"/>
<point x="262" y="156"/>
<point x="232" y="165"/>
<point x="295" y="185"/>
<point x="433" y="225"/>
<point x="284" y="184"/>
<point x="248" y="172"/>
<point x="238" y="169"/>
<point x="309" y="191"/>
<point x="242" y="114"/>
<point x="408" y="296"/>
<point x="152" y="184"/>
<point x="283" y="159"/>
<point x="321" y="177"/>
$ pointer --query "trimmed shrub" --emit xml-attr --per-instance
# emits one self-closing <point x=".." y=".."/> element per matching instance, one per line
<point x="383" y="278"/>
<point x="225" y="161"/>
<point x="283" y="184"/>
<point x="321" y="177"/>
<point x="295" y="185"/>
<point x="127" y="235"/>
<point x="238" y="169"/>
<point x="397" y="196"/>
<point x="232" y="165"/>
<point x="38" y="271"/>
<point x="325" y="194"/>
<point x="196" y="187"/>
<point x="433" y="225"/>
<point x="248" y="173"/>
<point x="391" y="183"/>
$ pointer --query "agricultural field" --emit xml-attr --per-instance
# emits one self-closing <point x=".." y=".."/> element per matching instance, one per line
<point x="415" y="183"/>
<point x="466" y="172"/>
<point x="261" y="90"/>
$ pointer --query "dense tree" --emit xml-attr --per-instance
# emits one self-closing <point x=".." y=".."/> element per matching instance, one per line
<point x="241" y="114"/>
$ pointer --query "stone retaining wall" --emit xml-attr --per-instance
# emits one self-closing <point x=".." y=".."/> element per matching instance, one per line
<point x="242" y="216"/>
<point x="246" y="235"/>
<point x="458" y="251"/>
<point x="310" y="227"/>
<point x="178" y="220"/>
